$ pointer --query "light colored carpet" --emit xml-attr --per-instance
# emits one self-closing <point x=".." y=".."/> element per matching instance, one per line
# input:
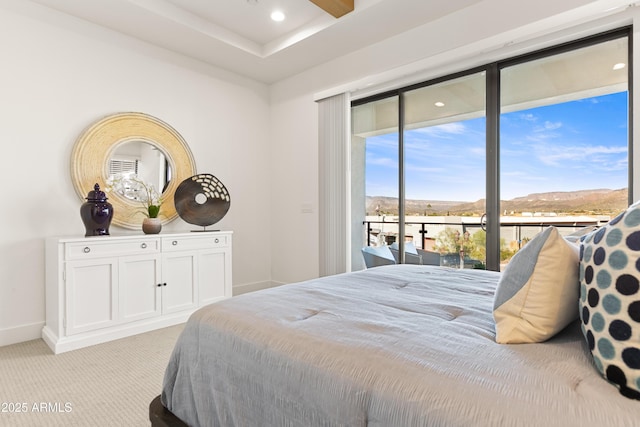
<point x="108" y="384"/>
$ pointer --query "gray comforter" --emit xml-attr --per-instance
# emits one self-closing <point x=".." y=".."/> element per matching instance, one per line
<point x="400" y="345"/>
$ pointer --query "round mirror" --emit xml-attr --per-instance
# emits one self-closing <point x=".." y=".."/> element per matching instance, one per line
<point x="128" y="144"/>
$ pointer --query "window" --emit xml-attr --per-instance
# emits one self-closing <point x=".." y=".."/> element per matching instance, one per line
<point x="563" y="141"/>
<point x="122" y="166"/>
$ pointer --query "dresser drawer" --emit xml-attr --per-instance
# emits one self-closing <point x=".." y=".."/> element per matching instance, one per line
<point x="87" y="250"/>
<point x="172" y="244"/>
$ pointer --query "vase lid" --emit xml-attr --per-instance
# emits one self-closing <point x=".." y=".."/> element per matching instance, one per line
<point x="96" y="195"/>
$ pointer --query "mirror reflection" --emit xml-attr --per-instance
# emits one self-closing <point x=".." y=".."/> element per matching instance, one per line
<point x="142" y="161"/>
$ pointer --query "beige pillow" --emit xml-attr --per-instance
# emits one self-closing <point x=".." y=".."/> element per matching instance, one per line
<point x="537" y="295"/>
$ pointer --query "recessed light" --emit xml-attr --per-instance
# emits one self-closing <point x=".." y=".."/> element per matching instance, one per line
<point x="439" y="104"/>
<point x="277" y="16"/>
<point x="619" y="66"/>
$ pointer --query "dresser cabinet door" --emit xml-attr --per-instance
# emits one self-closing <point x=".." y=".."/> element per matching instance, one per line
<point x="91" y="299"/>
<point x="179" y="287"/>
<point x="139" y="287"/>
<point x="213" y="269"/>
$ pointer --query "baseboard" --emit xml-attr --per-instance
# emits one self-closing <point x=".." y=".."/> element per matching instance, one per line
<point x="252" y="287"/>
<point x="33" y="331"/>
<point x="21" y="333"/>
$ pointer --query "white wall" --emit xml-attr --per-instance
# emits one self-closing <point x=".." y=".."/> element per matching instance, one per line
<point x="294" y="172"/>
<point x="58" y="75"/>
<point x="485" y="32"/>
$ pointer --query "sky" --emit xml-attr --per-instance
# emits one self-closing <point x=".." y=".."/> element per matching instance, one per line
<point x="577" y="145"/>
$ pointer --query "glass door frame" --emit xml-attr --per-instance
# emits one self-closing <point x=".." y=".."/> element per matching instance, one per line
<point x="493" y="126"/>
<point x="492" y="130"/>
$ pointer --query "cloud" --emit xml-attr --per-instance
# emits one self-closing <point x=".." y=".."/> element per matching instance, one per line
<point x="477" y="151"/>
<point x="566" y="155"/>
<point x="529" y="117"/>
<point x="541" y="137"/>
<point x="382" y="161"/>
<point x="551" y="125"/>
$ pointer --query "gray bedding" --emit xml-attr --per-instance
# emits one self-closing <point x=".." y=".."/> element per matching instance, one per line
<point x="400" y="345"/>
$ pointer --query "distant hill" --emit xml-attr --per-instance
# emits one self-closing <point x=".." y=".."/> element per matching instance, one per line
<point x="598" y="202"/>
<point x="389" y="206"/>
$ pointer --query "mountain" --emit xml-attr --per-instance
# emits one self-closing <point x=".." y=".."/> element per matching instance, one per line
<point x="595" y="202"/>
<point x="389" y="206"/>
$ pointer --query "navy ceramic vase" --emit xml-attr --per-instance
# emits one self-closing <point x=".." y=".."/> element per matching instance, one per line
<point x="96" y="213"/>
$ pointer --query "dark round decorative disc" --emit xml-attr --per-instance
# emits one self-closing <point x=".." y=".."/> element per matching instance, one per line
<point x="202" y="200"/>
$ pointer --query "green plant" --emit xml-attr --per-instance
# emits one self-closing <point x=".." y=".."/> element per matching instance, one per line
<point x="451" y="241"/>
<point x="153" y="211"/>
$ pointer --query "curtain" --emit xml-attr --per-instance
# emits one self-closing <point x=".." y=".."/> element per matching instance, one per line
<point x="334" y="181"/>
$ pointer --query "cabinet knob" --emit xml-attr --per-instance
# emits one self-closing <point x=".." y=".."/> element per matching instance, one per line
<point x="217" y="240"/>
<point x="164" y="284"/>
<point x="174" y="243"/>
<point x="143" y="246"/>
<point x="87" y="249"/>
<point x="159" y="284"/>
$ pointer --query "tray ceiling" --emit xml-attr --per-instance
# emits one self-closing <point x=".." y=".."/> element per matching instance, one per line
<point x="239" y="36"/>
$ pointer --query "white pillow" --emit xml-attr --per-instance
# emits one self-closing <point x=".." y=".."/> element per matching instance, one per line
<point x="537" y="295"/>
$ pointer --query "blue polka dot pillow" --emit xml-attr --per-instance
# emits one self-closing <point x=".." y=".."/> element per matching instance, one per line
<point x="610" y="299"/>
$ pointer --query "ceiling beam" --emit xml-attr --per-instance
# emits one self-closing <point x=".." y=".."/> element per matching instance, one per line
<point x="337" y="8"/>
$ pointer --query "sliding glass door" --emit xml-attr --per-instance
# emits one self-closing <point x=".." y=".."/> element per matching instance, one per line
<point x="469" y="167"/>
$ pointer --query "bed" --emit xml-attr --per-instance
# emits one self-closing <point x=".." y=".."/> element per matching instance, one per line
<point x="399" y="345"/>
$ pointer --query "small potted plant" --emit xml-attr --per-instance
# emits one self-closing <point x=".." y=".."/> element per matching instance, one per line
<point x="153" y="202"/>
<point x="132" y="187"/>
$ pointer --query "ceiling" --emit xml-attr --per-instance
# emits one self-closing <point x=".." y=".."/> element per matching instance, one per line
<point x="583" y="73"/>
<point x="239" y="36"/>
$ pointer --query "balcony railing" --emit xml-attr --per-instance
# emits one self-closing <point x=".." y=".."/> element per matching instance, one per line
<point x="474" y="223"/>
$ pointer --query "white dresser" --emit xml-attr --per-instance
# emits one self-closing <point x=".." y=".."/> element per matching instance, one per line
<point x="108" y="287"/>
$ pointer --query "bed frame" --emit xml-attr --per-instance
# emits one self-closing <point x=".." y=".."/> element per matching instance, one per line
<point x="161" y="416"/>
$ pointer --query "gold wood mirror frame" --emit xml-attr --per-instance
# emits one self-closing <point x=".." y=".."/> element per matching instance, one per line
<point x="93" y="149"/>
